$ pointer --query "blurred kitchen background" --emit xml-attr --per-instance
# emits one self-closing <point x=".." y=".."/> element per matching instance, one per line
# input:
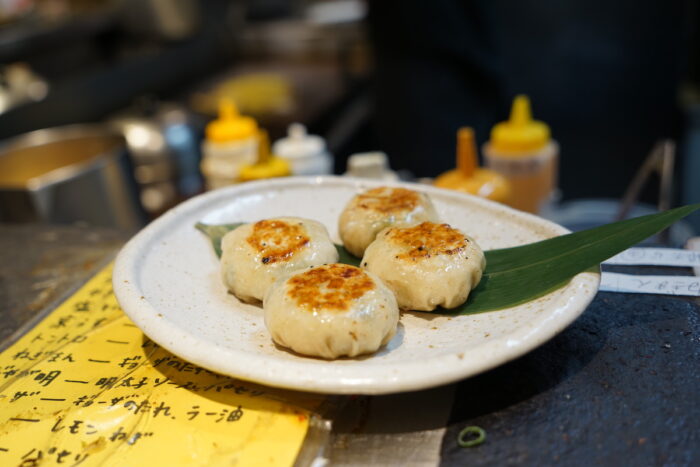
<point x="104" y="105"/>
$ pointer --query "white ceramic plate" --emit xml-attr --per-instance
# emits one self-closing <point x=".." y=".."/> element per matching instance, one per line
<point x="167" y="281"/>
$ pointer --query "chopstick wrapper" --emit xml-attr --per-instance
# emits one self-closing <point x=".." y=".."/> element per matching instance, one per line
<point x="87" y="387"/>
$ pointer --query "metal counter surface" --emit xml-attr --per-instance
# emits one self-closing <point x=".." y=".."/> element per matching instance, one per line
<point x="40" y="265"/>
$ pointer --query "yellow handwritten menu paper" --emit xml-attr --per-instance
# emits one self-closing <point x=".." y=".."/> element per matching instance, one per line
<point x="86" y="387"/>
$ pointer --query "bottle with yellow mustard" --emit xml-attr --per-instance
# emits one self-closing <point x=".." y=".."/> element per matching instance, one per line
<point x="522" y="150"/>
<point x="468" y="177"/>
<point x="267" y="166"/>
<point x="231" y="142"/>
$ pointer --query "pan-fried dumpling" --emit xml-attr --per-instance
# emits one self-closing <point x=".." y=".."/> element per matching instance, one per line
<point x="370" y="212"/>
<point x="255" y="255"/>
<point x="427" y="265"/>
<point x="331" y="311"/>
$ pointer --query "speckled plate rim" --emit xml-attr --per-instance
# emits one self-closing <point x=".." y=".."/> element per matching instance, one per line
<point x="414" y="375"/>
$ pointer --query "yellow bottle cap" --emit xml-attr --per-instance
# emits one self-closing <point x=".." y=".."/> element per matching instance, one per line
<point x="230" y="126"/>
<point x="468" y="177"/>
<point x="520" y="134"/>
<point x="267" y="166"/>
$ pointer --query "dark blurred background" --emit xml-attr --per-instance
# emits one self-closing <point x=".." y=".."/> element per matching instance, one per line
<point x="610" y="78"/>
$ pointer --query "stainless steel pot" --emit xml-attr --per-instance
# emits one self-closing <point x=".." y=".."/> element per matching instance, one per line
<point x="69" y="174"/>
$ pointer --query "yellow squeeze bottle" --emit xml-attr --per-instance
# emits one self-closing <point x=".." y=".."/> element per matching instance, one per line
<point x="468" y="177"/>
<point x="522" y="150"/>
<point x="267" y="166"/>
<point x="231" y="142"/>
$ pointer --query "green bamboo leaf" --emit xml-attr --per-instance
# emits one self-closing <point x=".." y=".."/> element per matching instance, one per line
<point x="514" y="276"/>
<point x="216" y="233"/>
<point x="505" y="258"/>
<point x="346" y="257"/>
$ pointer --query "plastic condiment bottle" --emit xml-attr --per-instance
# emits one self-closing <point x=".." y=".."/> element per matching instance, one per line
<point x="522" y="150"/>
<point x="267" y="166"/>
<point x="374" y="165"/>
<point x="306" y="153"/>
<point x="468" y="177"/>
<point x="231" y="141"/>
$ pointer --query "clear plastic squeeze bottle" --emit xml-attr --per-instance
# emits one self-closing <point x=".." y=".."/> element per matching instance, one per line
<point x="522" y="150"/>
<point x="231" y="141"/>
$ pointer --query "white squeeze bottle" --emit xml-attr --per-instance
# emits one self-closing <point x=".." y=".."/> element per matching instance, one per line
<point x="231" y="142"/>
<point x="306" y="154"/>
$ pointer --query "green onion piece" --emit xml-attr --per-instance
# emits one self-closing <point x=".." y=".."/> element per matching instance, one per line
<point x="471" y="431"/>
